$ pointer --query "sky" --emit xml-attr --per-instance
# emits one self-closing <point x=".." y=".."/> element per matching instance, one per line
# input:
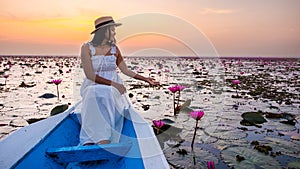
<point x="154" y="28"/>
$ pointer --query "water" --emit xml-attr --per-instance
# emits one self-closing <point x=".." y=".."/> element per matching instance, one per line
<point x="267" y="85"/>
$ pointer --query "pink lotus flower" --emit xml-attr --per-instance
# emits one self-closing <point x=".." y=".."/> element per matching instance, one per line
<point x="173" y="89"/>
<point x="197" y="115"/>
<point x="210" y="165"/>
<point x="158" y="123"/>
<point x="236" y="82"/>
<point x="176" y="88"/>
<point x="181" y="88"/>
<point x="56" y="81"/>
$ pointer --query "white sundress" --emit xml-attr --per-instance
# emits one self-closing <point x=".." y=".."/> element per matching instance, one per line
<point x="102" y="105"/>
<point x="102" y="113"/>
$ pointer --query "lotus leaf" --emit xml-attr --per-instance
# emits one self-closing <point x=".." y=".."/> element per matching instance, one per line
<point x="254" y="117"/>
<point x="188" y="159"/>
<point x="251" y="159"/>
<point x="284" y="146"/>
<point x="225" y="132"/>
<point x="294" y="164"/>
<point x="59" y="109"/>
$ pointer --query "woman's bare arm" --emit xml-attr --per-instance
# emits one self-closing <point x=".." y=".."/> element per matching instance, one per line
<point x="124" y="69"/>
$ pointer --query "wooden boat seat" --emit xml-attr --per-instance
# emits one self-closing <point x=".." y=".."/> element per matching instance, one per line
<point x="88" y="153"/>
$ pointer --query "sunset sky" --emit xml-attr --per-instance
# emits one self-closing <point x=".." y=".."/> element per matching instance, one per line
<point x="156" y="27"/>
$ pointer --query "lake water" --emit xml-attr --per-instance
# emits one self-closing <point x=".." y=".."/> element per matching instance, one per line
<point x="262" y="111"/>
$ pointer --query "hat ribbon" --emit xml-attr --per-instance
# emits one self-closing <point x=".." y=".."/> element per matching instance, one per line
<point x="104" y="23"/>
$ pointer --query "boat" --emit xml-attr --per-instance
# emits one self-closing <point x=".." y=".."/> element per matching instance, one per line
<point x="53" y="143"/>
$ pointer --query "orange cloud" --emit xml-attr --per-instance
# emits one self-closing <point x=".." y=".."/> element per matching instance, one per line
<point x="216" y="11"/>
<point x="56" y="30"/>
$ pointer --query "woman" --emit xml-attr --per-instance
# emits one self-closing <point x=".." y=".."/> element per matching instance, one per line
<point x="103" y="99"/>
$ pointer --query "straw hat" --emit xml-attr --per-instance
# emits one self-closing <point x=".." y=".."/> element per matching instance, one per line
<point x="104" y="21"/>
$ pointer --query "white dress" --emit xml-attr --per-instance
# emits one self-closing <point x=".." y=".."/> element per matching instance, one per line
<point x="102" y="105"/>
<point x="102" y="114"/>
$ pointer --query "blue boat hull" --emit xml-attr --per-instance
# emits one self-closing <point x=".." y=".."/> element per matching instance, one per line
<point x="53" y="143"/>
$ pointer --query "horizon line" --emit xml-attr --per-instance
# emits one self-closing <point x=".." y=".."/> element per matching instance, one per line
<point x="181" y="56"/>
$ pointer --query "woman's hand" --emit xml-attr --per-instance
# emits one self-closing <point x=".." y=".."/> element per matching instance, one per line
<point x="119" y="87"/>
<point x="152" y="81"/>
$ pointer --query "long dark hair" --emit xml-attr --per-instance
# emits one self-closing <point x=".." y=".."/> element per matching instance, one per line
<point x="99" y="36"/>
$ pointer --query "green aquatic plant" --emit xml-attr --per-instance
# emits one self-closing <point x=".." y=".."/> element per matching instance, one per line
<point x="59" y="109"/>
<point x="225" y="132"/>
<point x="246" y="158"/>
<point x="254" y="118"/>
<point x="286" y="147"/>
<point x="180" y="157"/>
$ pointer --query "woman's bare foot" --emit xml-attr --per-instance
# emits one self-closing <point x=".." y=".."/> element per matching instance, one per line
<point x="104" y="142"/>
<point x="88" y="144"/>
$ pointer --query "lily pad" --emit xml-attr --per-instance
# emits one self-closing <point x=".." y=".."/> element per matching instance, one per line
<point x="254" y="117"/>
<point x="273" y="115"/>
<point x="59" y="109"/>
<point x="294" y="164"/>
<point x="196" y="159"/>
<point x="201" y="137"/>
<point x="167" y="132"/>
<point x="225" y="132"/>
<point x="223" y="144"/>
<point x="251" y="159"/>
<point x="288" y="116"/>
<point x="47" y="96"/>
<point x="186" y="104"/>
<point x="229" y="117"/>
<point x="279" y="126"/>
<point x="33" y="120"/>
<point x="171" y="130"/>
<point x="168" y="121"/>
<point x="186" y="109"/>
<point x="18" y="122"/>
<point x="284" y="146"/>
<point x="29" y="84"/>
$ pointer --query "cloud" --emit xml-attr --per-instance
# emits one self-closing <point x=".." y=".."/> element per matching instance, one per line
<point x="216" y="11"/>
